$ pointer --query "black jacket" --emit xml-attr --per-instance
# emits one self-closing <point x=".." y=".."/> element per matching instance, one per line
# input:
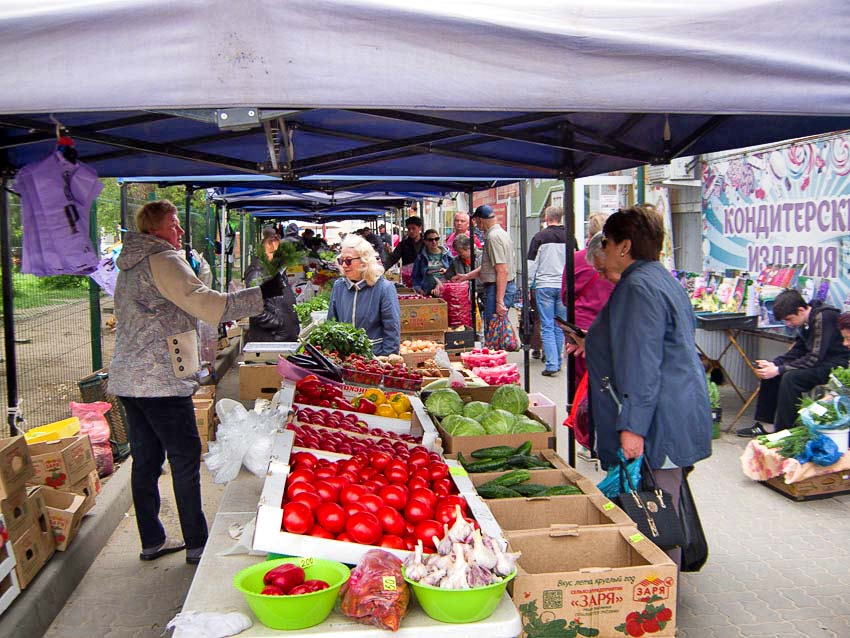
<point x="817" y="343"/>
<point x="278" y="320"/>
<point x="407" y="250"/>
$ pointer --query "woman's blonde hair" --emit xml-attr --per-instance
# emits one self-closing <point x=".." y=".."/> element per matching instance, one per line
<point x="371" y="268"/>
<point x="595" y="223"/>
<point x="149" y="217"/>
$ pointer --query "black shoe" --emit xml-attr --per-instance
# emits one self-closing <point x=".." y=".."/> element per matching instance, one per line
<point x="535" y="354"/>
<point x="550" y="373"/>
<point x="748" y="433"/>
<point x="193" y="556"/>
<point x="168" y="547"/>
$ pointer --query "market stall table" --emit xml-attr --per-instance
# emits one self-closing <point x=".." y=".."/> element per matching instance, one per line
<point x="212" y="589"/>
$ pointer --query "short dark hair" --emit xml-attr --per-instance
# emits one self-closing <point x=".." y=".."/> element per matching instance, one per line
<point x="642" y="225"/>
<point x="787" y="303"/>
<point x="844" y="321"/>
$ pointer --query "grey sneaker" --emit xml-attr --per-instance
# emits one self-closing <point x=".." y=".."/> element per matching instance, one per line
<point x="193" y="556"/>
<point x="170" y="546"/>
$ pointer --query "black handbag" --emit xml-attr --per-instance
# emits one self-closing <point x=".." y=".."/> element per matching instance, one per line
<point x="651" y="510"/>
<point x="695" y="545"/>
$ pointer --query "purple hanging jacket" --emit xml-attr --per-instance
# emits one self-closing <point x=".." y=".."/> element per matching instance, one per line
<point x="56" y="197"/>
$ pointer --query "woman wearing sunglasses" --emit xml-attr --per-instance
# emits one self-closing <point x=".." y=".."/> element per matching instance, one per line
<point x="430" y="265"/>
<point x="364" y="298"/>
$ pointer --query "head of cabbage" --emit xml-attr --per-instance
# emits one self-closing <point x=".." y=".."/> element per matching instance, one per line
<point x="444" y="402"/>
<point x="523" y="424"/>
<point x="498" y="422"/>
<point x="476" y="409"/>
<point x="457" y="425"/>
<point x="511" y="398"/>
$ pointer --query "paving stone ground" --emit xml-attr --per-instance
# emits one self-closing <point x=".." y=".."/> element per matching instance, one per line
<point x="777" y="568"/>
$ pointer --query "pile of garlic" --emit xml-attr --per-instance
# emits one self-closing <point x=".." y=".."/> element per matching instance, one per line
<point x="465" y="559"/>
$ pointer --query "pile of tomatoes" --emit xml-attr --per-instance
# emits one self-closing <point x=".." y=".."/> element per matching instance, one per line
<point x="342" y="443"/>
<point x="347" y="421"/>
<point x="372" y="499"/>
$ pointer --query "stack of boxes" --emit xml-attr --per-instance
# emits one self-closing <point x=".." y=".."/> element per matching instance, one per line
<point x="9" y="587"/>
<point x="204" y="401"/>
<point x="45" y="489"/>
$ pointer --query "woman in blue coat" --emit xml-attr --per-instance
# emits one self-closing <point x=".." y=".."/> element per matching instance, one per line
<point x="364" y="298"/>
<point x="648" y="393"/>
<point x="430" y="265"/>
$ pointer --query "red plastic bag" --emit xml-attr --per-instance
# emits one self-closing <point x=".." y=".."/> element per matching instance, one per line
<point x="376" y="593"/>
<point x="577" y="420"/>
<point x="456" y="296"/>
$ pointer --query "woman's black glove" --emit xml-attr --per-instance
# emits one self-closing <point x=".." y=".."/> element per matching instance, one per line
<point x="272" y="287"/>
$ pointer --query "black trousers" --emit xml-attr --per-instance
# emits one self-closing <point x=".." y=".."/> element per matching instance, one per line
<point x="156" y="427"/>
<point x="779" y="397"/>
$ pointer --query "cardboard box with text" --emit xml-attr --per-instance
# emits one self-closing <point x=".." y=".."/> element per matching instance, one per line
<point x="60" y="464"/>
<point x="15" y="465"/>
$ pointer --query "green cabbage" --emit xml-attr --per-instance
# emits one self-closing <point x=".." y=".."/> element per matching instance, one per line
<point x="511" y="398"/>
<point x="476" y="409"/>
<point x="444" y="402"/>
<point x="467" y="427"/>
<point x="497" y="422"/>
<point x="448" y="423"/>
<point x="523" y="424"/>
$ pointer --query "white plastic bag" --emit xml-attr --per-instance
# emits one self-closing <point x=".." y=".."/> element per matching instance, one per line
<point x="456" y="379"/>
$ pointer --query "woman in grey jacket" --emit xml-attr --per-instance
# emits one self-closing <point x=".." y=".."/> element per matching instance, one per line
<point x="158" y="301"/>
<point x="364" y="298"/>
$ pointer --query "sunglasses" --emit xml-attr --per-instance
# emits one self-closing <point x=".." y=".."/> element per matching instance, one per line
<point x="604" y="242"/>
<point x="432" y="239"/>
<point x="347" y="261"/>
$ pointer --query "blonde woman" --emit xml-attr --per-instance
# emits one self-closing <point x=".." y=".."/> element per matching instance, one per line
<point x="364" y="298"/>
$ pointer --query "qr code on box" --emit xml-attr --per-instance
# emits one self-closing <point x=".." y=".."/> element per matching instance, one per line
<point x="553" y="599"/>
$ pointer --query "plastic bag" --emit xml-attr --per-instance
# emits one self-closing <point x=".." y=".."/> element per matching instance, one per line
<point x="500" y="334"/>
<point x="94" y="423"/>
<point x="456" y="296"/>
<point x="821" y="451"/>
<point x="695" y="547"/>
<point x="612" y="486"/>
<point x="376" y="593"/>
<point x="578" y="420"/>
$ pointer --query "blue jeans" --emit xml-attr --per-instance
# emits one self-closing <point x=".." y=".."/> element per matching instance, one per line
<point x="156" y="427"/>
<point x="549" y="306"/>
<point x="490" y="300"/>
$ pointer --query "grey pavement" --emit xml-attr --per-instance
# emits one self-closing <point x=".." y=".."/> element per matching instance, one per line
<point x="777" y="567"/>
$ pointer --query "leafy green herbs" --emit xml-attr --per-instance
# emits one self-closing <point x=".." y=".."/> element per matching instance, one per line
<point x="288" y="254"/>
<point x="342" y="338"/>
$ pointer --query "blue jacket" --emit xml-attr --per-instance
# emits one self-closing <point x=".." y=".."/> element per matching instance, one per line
<point x="373" y="308"/>
<point x="643" y="342"/>
<point x="420" y="269"/>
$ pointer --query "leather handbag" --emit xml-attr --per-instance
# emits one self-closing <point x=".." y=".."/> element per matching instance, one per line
<point x="652" y="509"/>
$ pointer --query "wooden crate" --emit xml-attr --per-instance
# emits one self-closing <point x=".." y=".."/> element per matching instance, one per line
<point x="824" y="486"/>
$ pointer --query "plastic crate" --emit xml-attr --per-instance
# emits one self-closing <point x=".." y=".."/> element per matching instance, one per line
<point x="54" y="431"/>
<point x="93" y="388"/>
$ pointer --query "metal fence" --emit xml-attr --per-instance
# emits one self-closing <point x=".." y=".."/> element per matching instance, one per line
<point x="54" y="331"/>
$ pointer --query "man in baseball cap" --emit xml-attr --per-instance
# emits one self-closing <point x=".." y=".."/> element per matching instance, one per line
<point x="483" y="212"/>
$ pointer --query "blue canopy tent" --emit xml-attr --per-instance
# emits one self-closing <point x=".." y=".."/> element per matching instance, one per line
<point x="556" y="89"/>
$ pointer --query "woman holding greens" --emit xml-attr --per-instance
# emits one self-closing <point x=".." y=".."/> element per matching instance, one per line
<point x="364" y="298"/>
<point x="278" y="321"/>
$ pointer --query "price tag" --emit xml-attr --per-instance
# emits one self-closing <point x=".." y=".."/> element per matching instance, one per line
<point x="304" y="563"/>
<point x="636" y="538"/>
<point x="833" y="379"/>
<point x="608" y="506"/>
<point x="457" y="470"/>
<point x="389" y="583"/>
<point x="817" y="409"/>
<point x="776" y="436"/>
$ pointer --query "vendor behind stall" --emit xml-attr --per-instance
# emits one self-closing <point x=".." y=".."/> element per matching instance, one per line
<point x="278" y="321"/>
<point x="407" y="250"/>
<point x="364" y="298"/>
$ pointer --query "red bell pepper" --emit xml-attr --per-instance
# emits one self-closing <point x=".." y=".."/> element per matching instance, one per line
<point x="364" y="406"/>
<point x="284" y="577"/>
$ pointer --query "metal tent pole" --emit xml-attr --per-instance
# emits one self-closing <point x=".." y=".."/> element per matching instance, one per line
<point x="472" y="264"/>
<point x="8" y="312"/>
<point x="525" y="323"/>
<point x="188" y="224"/>
<point x="123" y="194"/>
<point x="221" y="236"/>
<point x="569" y="266"/>
<point x="94" y="298"/>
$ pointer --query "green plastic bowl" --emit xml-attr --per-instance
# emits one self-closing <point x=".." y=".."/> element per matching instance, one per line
<point x="459" y="605"/>
<point x="292" y="612"/>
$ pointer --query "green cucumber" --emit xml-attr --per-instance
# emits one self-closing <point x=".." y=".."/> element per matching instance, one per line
<point x="495" y="452"/>
<point x="496" y="491"/>
<point x="561" y="490"/>
<point x="524" y="449"/>
<point x="530" y="489"/>
<point x="485" y="465"/>
<point x="512" y="478"/>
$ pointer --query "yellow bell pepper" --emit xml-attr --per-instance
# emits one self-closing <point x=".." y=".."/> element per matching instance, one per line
<point x="400" y="402"/>
<point x="386" y="410"/>
<point x="375" y="395"/>
<point x="406" y="415"/>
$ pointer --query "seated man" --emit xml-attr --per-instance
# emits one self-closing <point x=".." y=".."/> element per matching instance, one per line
<point x="817" y="349"/>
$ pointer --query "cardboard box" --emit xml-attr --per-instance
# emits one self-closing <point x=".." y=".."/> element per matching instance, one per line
<point x="423" y="315"/>
<point x="823" y="486"/>
<point x="32" y="550"/>
<point x="258" y="381"/>
<point x="561" y="474"/>
<point x="88" y="487"/>
<point x="557" y="512"/>
<point x="65" y="513"/>
<point x="204" y="417"/>
<point x="543" y="408"/>
<point x="594" y="575"/>
<point x="468" y="444"/>
<point x="62" y="463"/>
<point x="206" y="392"/>
<point x="9" y="588"/>
<point x="19" y="512"/>
<point x="15" y="465"/>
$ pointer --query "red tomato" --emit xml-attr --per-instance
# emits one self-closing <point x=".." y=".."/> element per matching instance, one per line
<point x="303" y="459"/>
<point x="350" y="465"/>
<point x="422" y="494"/>
<point x="327" y="491"/>
<point x="325" y="472"/>
<point x="297" y="518"/>
<point x="445" y="485"/>
<point x="423" y="473"/>
<point x="426" y="530"/>
<point x="398" y="464"/>
<point x="300" y="475"/>
<point x="417" y="482"/>
<point x="351" y="509"/>
<point x="409" y="542"/>
<point x="392" y="542"/>
<point x="320" y="532"/>
<point x="331" y="517"/>
<point x="445" y="514"/>
<point x="455" y="499"/>
<point x="441" y="491"/>
<point x="379" y="460"/>
<point x="351" y="493"/>
<point x="417" y="511"/>
<point x="418" y="459"/>
<point x="380" y="479"/>
<point x="310" y="499"/>
<point x="394" y="495"/>
<point x="296" y="488"/>
<point x="438" y="471"/>
<point x="343" y="536"/>
<point x="364" y="528"/>
<point x="349" y="477"/>
<point x="371" y="502"/>
<point x="366" y="473"/>
<point x="391" y="521"/>
<point x="338" y="482"/>
<point x="396" y="475"/>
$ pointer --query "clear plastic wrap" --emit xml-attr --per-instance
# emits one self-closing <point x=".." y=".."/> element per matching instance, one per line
<point x="376" y="593"/>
